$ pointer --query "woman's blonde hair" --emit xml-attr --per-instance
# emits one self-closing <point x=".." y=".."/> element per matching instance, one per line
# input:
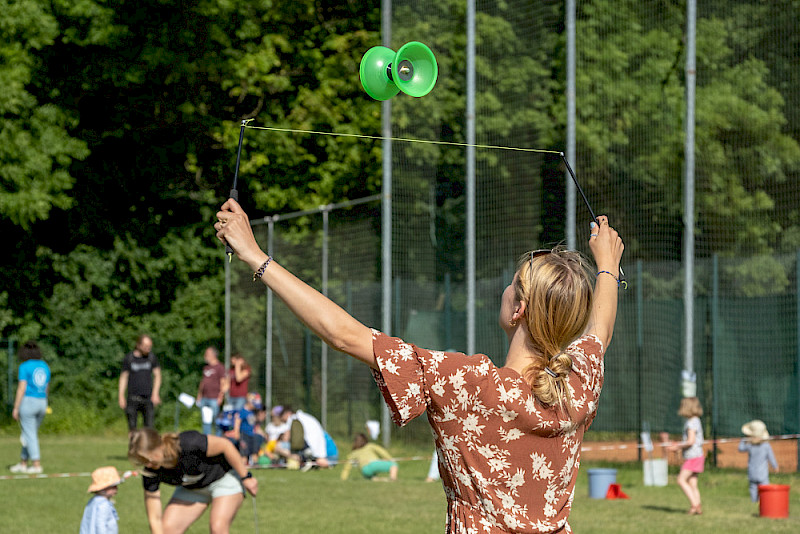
<point x="690" y="407"/>
<point x="557" y="290"/>
<point x="143" y="441"/>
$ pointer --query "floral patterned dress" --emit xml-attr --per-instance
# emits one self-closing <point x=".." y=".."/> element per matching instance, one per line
<point x="508" y="463"/>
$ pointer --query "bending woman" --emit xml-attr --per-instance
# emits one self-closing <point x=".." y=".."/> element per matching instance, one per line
<point x="508" y="438"/>
<point x="205" y="469"/>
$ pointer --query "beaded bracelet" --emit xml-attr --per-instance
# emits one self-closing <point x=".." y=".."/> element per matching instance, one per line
<point x="260" y="272"/>
<point x="612" y="276"/>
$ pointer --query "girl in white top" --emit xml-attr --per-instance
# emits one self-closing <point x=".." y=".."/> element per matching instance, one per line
<point x="693" y="455"/>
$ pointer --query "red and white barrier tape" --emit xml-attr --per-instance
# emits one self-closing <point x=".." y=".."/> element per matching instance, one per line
<point x="705" y="442"/>
<point x="590" y="448"/>
<point x="23" y="476"/>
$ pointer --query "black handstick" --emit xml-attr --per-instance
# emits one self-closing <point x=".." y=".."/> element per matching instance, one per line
<point x="234" y="194"/>
<point x="622" y="281"/>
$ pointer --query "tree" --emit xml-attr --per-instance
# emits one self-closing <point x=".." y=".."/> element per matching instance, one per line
<point x="632" y="81"/>
<point x="36" y="148"/>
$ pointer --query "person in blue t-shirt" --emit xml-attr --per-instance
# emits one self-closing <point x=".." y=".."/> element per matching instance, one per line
<point x="30" y="405"/>
<point x="245" y="428"/>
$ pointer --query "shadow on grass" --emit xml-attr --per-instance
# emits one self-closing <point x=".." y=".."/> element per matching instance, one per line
<point x="667" y="509"/>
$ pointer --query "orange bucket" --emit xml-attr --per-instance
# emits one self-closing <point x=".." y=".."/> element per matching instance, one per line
<point x="773" y="500"/>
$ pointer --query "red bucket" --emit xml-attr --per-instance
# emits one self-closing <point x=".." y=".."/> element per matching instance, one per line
<point x="773" y="500"/>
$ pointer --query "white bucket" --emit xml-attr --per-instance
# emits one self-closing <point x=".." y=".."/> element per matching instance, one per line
<point x="655" y="472"/>
<point x="207" y="415"/>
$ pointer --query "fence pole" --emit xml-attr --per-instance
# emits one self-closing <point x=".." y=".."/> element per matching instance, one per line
<point x="715" y="353"/>
<point x="324" y="346"/>
<point x="10" y="375"/>
<point x="386" y="211"/>
<point x="309" y="378"/>
<point x="448" y="311"/>
<point x="470" y="178"/>
<point x="348" y="291"/>
<point x="268" y="356"/>
<point x="570" y="186"/>
<point x="639" y="346"/>
<point x="797" y="377"/>
<point x="688" y="190"/>
<point x="227" y="356"/>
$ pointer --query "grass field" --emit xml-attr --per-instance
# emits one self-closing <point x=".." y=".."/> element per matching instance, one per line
<point x="293" y="502"/>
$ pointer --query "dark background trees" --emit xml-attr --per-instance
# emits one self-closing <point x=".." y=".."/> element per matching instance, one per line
<point x="120" y="122"/>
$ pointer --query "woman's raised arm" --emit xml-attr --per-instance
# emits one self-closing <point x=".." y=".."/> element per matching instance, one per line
<point x="325" y="318"/>
<point x="607" y="248"/>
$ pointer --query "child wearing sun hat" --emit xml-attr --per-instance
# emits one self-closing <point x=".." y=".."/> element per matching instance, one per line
<point x="759" y="455"/>
<point x="100" y="516"/>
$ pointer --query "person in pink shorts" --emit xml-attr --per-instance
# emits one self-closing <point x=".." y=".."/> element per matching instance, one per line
<point x="693" y="456"/>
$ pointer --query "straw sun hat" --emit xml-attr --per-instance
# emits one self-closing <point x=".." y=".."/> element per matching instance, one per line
<point x="755" y="429"/>
<point x="104" y="477"/>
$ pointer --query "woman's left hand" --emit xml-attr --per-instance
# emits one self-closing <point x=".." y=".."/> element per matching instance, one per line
<point x="15" y="414"/>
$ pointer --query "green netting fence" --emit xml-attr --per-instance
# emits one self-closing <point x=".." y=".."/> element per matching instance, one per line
<point x="630" y="116"/>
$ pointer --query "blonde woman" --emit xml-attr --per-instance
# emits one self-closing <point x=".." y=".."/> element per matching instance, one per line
<point x="508" y="438"/>
<point x="692" y="448"/>
<point x="206" y="470"/>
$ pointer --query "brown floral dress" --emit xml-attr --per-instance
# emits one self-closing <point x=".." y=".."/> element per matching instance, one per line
<point x="508" y="463"/>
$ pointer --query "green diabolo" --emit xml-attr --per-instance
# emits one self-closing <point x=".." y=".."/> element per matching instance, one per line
<point x="412" y="70"/>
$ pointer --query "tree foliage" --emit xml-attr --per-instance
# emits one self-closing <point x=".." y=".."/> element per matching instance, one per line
<point x="120" y="122"/>
<point x="36" y="148"/>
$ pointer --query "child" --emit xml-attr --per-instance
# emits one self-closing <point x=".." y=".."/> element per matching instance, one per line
<point x="244" y="429"/>
<point x="100" y="516"/>
<point x="693" y="455"/>
<point x="759" y="455"/>
<point x="372" y="458"/>
<point x="277" y="437"/>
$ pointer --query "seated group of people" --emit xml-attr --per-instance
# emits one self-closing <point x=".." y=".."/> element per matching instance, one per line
<point x="296" y="440"/>
<point x="292" y="438"/>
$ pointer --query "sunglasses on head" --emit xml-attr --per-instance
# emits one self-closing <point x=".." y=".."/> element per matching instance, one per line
<point x="537" y="253"/>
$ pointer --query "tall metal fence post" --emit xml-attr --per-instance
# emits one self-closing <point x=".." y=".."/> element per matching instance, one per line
<point x="448" y="312"/>
<point x="324" y="348"/>
<point x="227" y="356"/>
<point x="470" y="178"/>
<point x="639" y="347"/>
<point x="386" y="211"/>
<point x="715" y="405"/>
<point x="10" y="375"/>
<point x="348" y="299"/>
<point x="270" y="308"/>
<point x="688" y="189"/>
<point x="309" y="367"/>
<point x="570" y="82"/>
<point x="396" y="311"/>
<point x="797" y="378"/>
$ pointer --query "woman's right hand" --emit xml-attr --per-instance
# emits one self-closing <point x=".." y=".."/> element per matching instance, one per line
<point x="233" y="228"/>
<point x="606" y="245"/>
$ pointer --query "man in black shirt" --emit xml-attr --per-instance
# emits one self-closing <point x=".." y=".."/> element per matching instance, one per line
<point x="141" y="379"/>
